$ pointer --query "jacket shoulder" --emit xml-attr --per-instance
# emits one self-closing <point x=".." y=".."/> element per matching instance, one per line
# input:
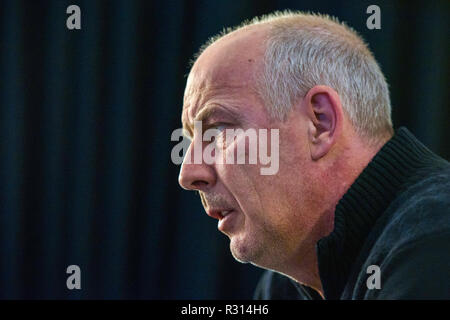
<point x="410" y="243"/>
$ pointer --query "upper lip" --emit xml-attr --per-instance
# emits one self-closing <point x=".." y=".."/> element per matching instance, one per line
<point x="217" y="213"/>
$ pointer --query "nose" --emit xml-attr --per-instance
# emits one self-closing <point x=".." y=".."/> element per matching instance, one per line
<point x="195" y="176"/>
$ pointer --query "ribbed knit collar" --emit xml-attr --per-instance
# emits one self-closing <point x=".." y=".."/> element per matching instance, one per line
<point x="364" y="202"/>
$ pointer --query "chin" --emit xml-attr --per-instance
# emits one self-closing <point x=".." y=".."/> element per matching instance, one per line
<point x="243" y="251"/>
<point x="258" y="252"/>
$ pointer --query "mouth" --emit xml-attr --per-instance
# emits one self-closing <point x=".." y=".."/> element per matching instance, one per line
<point x="225" y="224"/>
<point x="226" y="217"/>
<point x="225" y="213"/>
<point x="219" y="214"/>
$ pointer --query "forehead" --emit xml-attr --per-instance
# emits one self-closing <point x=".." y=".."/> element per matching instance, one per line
<point x="225" y="74"/>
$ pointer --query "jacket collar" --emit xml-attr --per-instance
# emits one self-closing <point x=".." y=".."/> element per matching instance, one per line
<point x="363" y="203"/>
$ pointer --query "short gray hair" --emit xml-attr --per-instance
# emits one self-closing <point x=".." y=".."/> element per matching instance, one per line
<point x="304" y="50"/>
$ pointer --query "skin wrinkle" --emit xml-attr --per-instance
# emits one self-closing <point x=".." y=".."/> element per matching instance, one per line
<point x="279" y="218"/>
<point x="202" y="114"/>
<point x="254" y="189"/>
<point x="248" y="181"/>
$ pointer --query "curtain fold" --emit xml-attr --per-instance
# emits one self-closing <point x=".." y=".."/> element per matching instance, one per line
<point x="85" y="123"/>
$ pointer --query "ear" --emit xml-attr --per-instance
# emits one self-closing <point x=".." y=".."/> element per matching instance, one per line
<point x="325" y="117"/>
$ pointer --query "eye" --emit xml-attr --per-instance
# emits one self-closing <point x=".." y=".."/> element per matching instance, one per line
<point x="219" y="126"/>
<point x="215" y="132"/>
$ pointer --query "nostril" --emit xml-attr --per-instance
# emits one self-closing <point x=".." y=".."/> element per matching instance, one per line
<point x="196" y="176"/>
<point x="199" y="184"/>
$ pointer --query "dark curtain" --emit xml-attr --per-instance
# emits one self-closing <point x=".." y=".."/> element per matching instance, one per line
<point x="85" y="122"/>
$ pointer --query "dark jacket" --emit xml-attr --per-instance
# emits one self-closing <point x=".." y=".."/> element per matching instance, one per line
<point x="396" y="217"/>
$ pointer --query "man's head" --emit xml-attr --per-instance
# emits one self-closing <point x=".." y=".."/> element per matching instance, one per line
<point x="315" y="81"/>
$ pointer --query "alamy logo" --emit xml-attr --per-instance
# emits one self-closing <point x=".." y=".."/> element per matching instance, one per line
<point x="374" y="20"/>
<point x="74" y="20"/>
<point x="374" y="281"/>
<point x="228" y="146"/>
<point x="74" y="280"/>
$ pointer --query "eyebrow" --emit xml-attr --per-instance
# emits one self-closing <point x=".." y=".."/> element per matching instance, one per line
<point x="208" y="112"/>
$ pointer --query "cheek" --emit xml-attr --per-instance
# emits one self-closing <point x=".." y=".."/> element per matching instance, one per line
<point x="240" y="169"/>
<point x="264" y="198"/>
<point x="241" y="182"/>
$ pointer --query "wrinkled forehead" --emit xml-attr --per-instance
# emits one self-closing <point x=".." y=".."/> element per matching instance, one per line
<point x="229" y="65"/>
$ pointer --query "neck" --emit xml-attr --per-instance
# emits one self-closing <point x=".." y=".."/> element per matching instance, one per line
<point x="336" y="179"/>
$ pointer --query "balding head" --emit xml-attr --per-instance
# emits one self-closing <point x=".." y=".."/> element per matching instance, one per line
<point x="303" y="50"/>
<point x="233" y="62"/>
<point x="304" y="77"/>
<point x="236" y="54"/>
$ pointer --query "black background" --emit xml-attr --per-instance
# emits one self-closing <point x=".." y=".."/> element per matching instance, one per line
<point x="85" y="123"/>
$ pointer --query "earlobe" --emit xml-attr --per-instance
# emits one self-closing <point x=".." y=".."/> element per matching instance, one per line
<point x="324" y="110"/>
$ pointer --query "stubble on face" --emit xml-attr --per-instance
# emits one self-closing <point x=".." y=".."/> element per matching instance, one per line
<point x="271" y="208"/>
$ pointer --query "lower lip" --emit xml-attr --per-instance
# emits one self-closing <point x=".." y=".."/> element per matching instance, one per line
<point x="226" y="223"/>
